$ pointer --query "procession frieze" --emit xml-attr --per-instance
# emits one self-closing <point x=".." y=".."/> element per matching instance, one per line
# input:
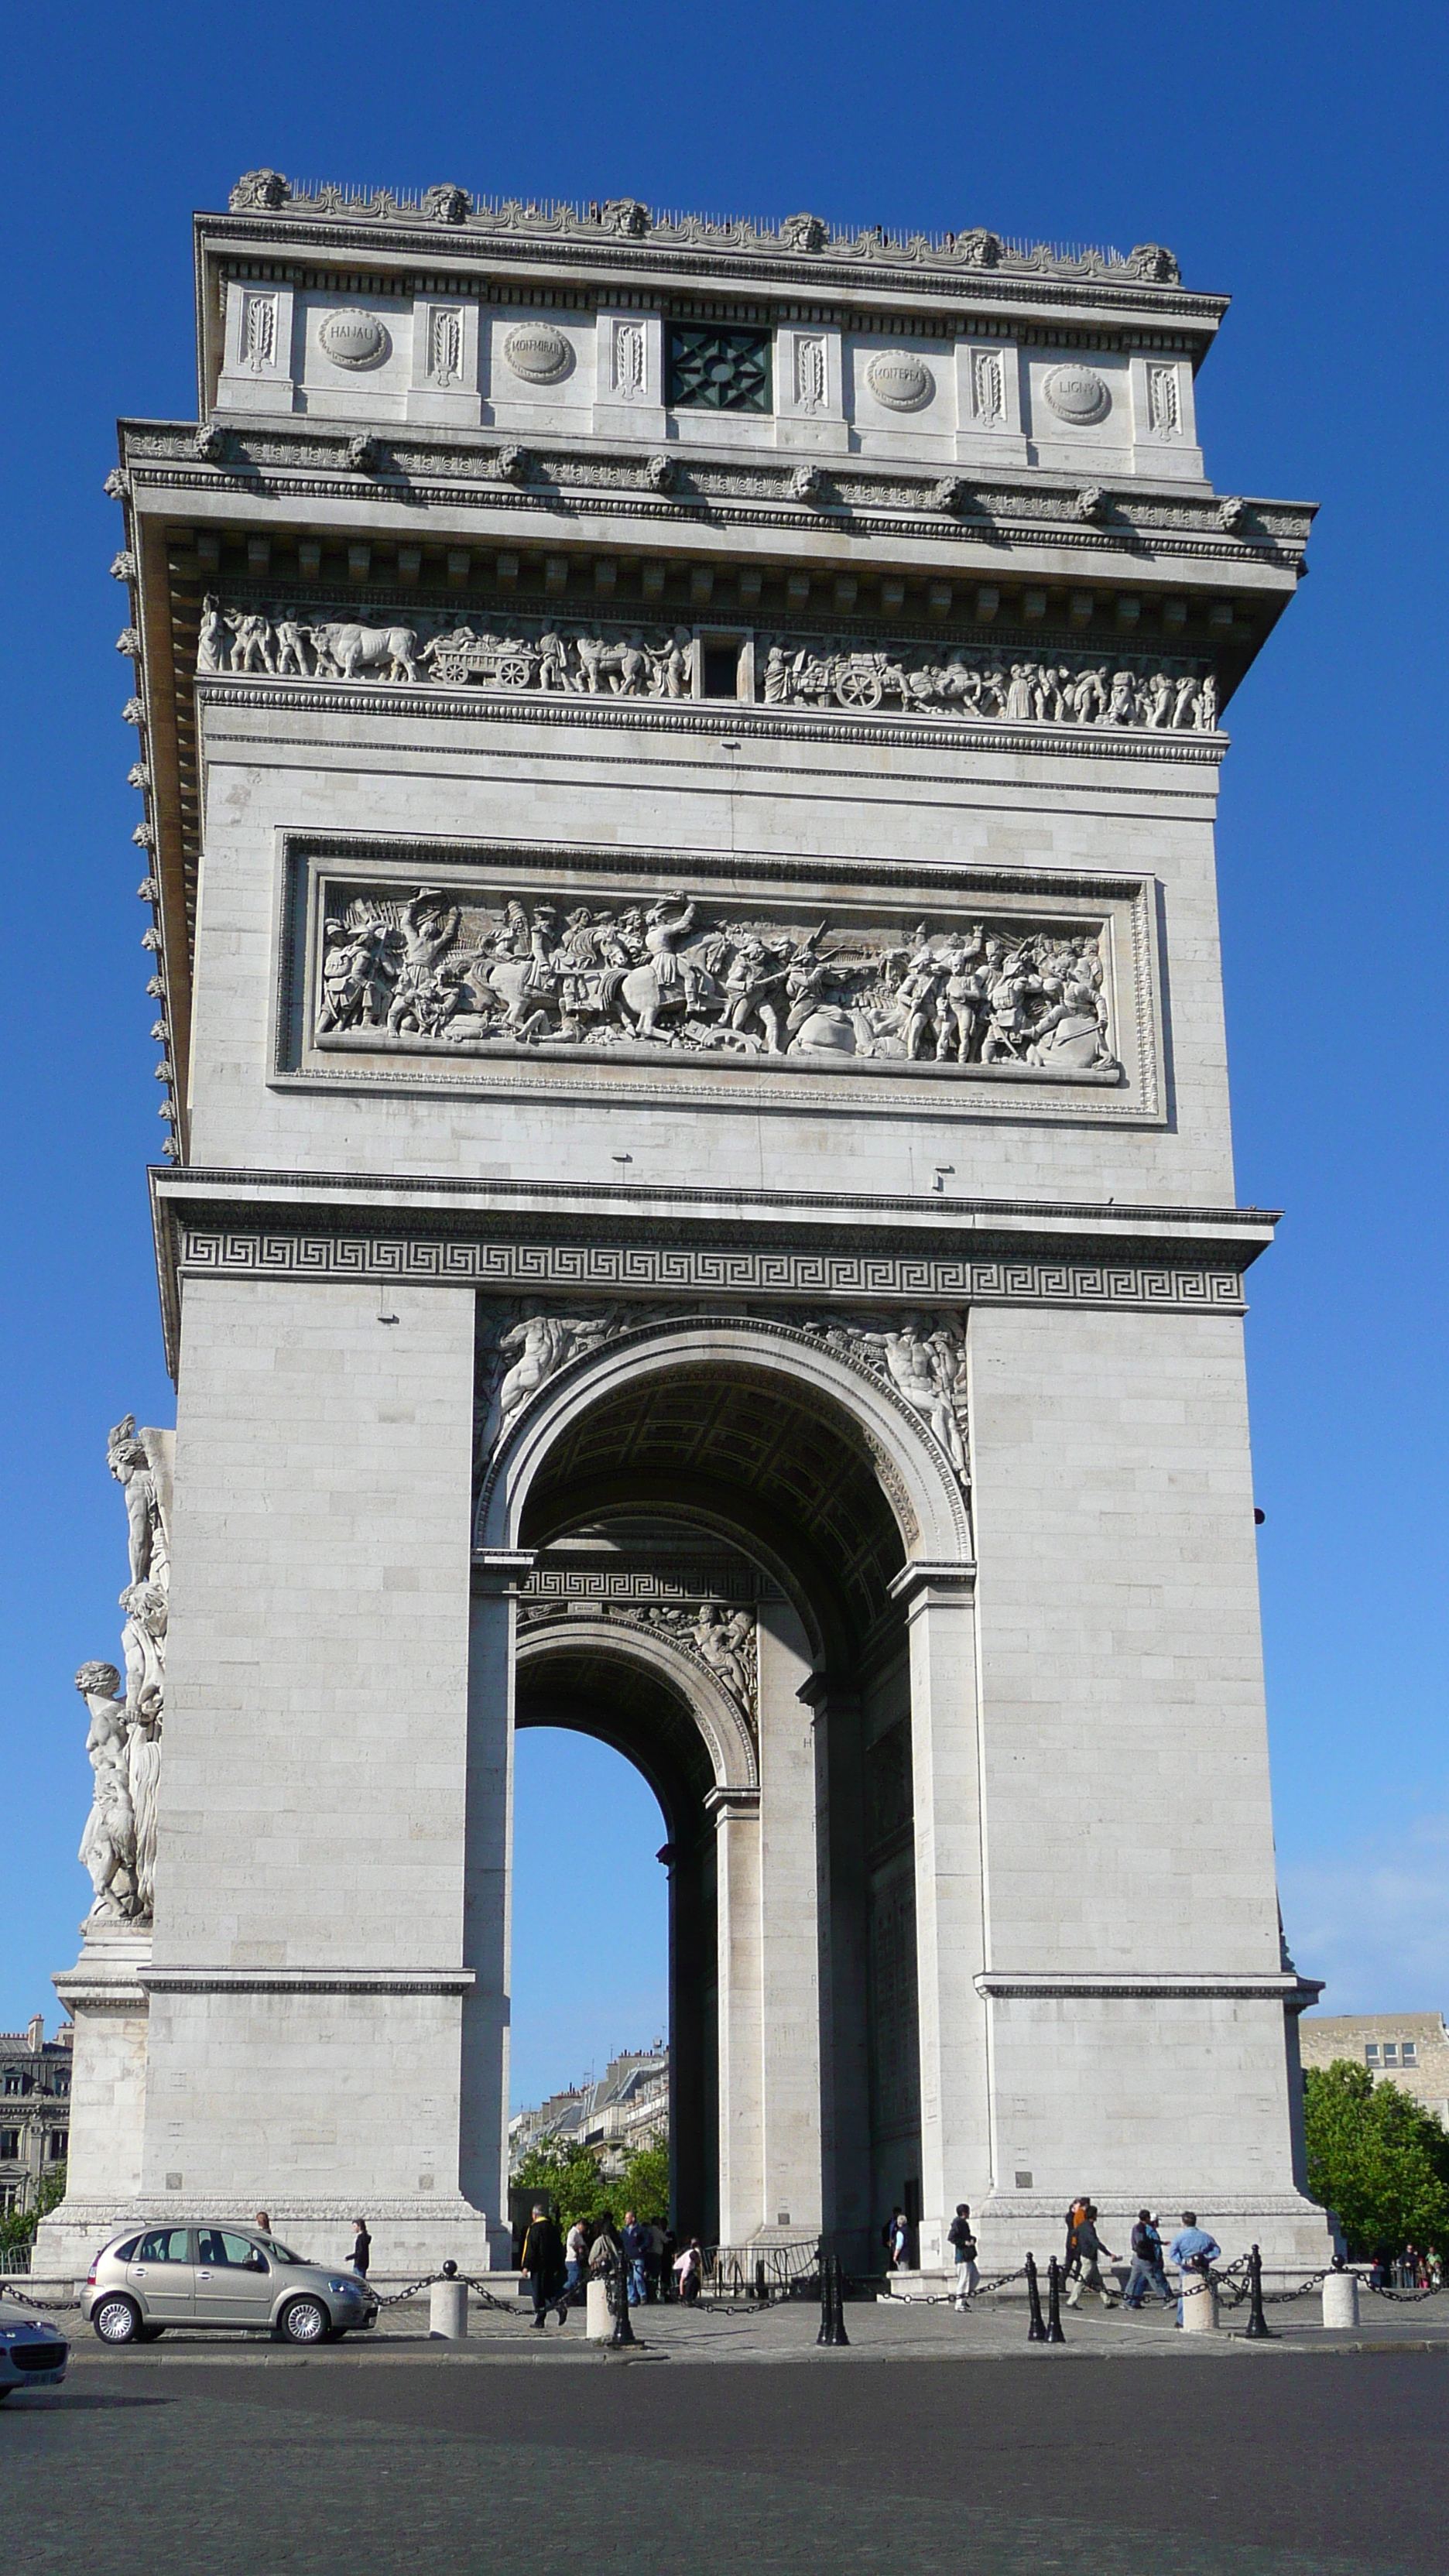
<point x="960" y="684"/>
<point x="998" y="994"/>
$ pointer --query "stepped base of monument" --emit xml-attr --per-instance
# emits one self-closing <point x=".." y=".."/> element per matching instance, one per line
<point x="409" y="2237"/>
<point x="1293" y="2234"/>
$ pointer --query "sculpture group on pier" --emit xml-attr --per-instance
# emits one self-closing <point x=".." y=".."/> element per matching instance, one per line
<point x="118" y="1847"/>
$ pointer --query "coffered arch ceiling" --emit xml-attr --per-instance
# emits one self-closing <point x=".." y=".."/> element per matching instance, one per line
<point x="779" y="1468"/>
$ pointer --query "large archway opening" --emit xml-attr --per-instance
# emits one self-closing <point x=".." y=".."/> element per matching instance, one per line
<point x="714" y="1542"/>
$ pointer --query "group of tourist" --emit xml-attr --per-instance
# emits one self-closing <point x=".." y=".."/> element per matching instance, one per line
<point x="653" y="2264"/>
<point x="1192" y="2250"/>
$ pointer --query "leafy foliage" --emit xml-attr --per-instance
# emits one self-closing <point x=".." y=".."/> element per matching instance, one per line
<point x="1377" y="2158"/>
<point x="18" y="2226"/>
<point x="571" y="2172"/>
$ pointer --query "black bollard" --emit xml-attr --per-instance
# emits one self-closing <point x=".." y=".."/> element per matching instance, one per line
<point x="1257" y="2329"/>
<point x="623" y="2331"/>
<point x="1036" y="2330"/>
<point x="827" y="2302"/>
<point x="1054" y="2332"/>
<point x="840" y="2334"/>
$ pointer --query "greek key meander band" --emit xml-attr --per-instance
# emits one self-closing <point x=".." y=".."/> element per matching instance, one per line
<point x="432" y="1261"/>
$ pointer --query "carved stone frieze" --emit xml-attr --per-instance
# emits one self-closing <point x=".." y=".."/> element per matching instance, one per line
<point x="997" y="995"/>
<point x="716" y="1633"/>
<point x="923" y="1357"/>
<point x="919" y="679"/>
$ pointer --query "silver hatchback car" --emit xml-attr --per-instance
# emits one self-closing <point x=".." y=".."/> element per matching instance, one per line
<point x="154" y="2278"/>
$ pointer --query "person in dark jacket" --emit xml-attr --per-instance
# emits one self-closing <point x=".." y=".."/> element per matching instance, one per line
<point x="1147" y="2272"/>
<point x="1089" y="2247"/>
<point x="637" y="2242"/>
<point x="361" y="2247"/>
<point x="543" y="2261"/>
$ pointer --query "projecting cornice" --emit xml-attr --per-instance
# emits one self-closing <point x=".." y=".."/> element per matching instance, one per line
<point x="570" y="1240"/>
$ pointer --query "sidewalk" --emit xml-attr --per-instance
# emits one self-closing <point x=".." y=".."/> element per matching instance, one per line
<point x="879" y="2330"/>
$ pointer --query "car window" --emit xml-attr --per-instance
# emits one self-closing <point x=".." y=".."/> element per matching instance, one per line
<point x="242" y="2254"/>
<point x="280" y="2251"/>
<point x="125" y="2253"/>
<point x="163" y="2245"/>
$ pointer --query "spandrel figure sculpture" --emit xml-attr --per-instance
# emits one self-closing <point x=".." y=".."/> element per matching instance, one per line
<point x="118" y="1847"/>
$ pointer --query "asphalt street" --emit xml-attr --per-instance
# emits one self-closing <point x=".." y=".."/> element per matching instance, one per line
<point x="238" y="2461"/>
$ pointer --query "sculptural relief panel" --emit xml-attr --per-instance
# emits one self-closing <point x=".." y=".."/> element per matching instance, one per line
<point x="517" y="960"/>
<point x="796" y="670"/>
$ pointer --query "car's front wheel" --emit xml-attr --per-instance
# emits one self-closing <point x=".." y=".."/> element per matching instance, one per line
<point x="305" y="2321"/>
<point x="117" y="2320"/>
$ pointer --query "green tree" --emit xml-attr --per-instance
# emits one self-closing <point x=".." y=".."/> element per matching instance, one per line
<point x="571" y="2173"/>
<point x="18" y="2226"/>
<point x="580" y="2190"/>
<point x="644" y="2184"/>
<point x="1378" y="2159"/>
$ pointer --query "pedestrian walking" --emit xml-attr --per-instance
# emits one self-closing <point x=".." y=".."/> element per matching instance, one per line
<point x="1088" y="2275"/>
<point x="898" y="2237"/>
<point x="1147" y="2272"/>
<point x="1071" y="2259"/>
<point x="361" y="2247"/>
<point x="1192" y="2250"/>
<point x="263" y="2221"/>
<point x="576" y="2254"/>
<point x="604" y="2251"/>
<point x="960" y="2238"/>
<point x="636" y="2248"/>
<point x="543" y="2261"/>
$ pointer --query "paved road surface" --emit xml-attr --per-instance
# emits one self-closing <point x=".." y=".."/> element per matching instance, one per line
<point x="540" y="2457"/>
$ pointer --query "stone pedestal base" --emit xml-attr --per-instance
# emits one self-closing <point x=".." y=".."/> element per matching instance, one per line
<point x="1340" y="2299"/>
<point x="1199" y="2304"/>
<point x="409" y="2237"/>
<point x="448" y="2311"/>
<point x="598" y="2324"/>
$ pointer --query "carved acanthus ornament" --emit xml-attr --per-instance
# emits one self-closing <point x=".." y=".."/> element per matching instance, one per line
<point x="996" y="996"/>
<point x="118" y="1847"/>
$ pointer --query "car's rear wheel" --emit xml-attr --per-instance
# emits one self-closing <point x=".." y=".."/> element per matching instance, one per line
<point x="117" y="2320"/>
<point x="305" y="2321"/>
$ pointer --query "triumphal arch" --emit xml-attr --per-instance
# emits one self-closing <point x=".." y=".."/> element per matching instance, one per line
<point x="678" y="767"/>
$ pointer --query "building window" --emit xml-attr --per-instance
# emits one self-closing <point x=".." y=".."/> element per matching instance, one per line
<point x="719" y="370"/>
<point x="9" y="2146"/>
<point x="1371" y="2053"/>
<point x="59" y="2144"/>
<point x="1391" y="2052"/>
<point x="1410" y="2055"/>
<point x="14" y="2083"/>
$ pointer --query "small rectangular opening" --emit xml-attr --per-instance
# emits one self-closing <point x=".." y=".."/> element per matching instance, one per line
<point x="722" y="670"/>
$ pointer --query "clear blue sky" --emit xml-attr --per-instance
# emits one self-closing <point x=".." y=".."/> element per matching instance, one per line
<point x="1294" y="156"/>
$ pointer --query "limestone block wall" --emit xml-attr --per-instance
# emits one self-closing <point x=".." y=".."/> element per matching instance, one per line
<point x="766" y="803"/>
<point x="311" y="1827"/>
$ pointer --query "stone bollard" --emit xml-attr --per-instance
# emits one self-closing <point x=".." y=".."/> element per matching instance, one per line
<point x="598" y="2324"/>
<point x="1199" y="2304"/>
<point x="1340" y="2298"/>
<point x="448" y="2311"/>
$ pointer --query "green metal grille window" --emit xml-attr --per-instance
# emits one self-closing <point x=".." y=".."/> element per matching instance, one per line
<point x="720" y="370"/>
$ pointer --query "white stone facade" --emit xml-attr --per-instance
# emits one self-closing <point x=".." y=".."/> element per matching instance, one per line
<point x="701" y="1208"/>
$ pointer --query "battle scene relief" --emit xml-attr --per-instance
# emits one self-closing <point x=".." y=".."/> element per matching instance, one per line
<point x="430" y="968"/>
